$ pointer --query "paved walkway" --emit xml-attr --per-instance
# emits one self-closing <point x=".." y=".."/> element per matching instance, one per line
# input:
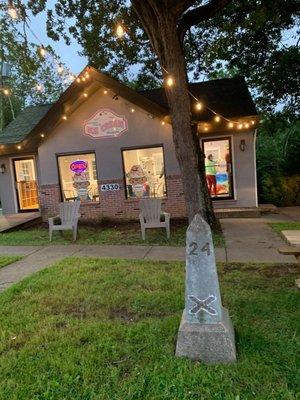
<point x="247" y="240"/>
<point x="12" y="220"/>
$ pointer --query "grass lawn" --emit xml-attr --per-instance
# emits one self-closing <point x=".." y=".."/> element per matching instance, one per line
<point x="106" y="233"/>
<point x="91" y="329"/>
<point x="285" y="226"/>
<point x="5" y="260"/>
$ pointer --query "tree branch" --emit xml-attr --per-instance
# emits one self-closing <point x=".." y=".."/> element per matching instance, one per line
<point x="199" y="14"/>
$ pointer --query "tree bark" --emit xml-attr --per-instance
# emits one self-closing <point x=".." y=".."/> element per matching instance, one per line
<point x="160" y="26"/>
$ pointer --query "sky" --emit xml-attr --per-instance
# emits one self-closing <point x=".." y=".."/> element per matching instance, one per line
<point x="68" y="54"/>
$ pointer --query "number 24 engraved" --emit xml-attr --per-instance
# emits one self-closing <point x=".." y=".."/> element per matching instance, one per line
<point x="194" y="246"/>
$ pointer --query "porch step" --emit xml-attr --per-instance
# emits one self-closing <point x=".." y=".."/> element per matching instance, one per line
<point x="244" y="212"/>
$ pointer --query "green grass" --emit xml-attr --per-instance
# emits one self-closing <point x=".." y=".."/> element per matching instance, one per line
<point x="6" y="260"/>
<point x="125" y="233"/>
<point x="91" y="329"/>
<point x="285" y="226"/>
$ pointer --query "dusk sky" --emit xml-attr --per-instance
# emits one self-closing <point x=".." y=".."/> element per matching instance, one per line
<point x="68" y="54"/>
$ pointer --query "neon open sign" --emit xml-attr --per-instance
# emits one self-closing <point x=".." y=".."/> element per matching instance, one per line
<point x="78" y="166"/>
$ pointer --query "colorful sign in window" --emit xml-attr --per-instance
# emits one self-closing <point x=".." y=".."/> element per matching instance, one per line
<point x="78" y="166"/>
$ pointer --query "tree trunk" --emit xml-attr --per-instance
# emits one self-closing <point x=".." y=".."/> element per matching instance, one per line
<point x="160" y="27"/>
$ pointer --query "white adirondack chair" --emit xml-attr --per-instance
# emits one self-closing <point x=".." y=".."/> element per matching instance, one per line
<point x="69" y="215"/>
<point x="151" y="216"/>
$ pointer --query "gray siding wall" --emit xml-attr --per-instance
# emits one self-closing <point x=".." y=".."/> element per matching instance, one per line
<point x="68" y="137"/>
<point x="7" y="190"/>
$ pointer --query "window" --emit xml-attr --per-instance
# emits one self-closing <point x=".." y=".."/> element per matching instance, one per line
<point x="78" y="177"/>
<point x="218" y="167"/>
<point x="144" y="172"/>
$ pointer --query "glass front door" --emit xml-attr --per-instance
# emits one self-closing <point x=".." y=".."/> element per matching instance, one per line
<point x="218" y="167"/>
<point x="26" y="184"/>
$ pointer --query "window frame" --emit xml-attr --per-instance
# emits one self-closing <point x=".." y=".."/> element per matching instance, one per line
<point x="75" y="153"/>
<point x="230" y="139"/>
<point x="154" y="146"/>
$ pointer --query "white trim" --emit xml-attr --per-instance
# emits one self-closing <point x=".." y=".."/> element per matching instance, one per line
<point x="255" y="166"/>
<point x="20" y="157"/>
<point x="224" y="135"/>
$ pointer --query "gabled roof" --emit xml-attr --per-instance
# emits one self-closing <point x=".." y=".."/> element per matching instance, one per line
<point x="26" y="120"/>
<point x="228" y="97"/>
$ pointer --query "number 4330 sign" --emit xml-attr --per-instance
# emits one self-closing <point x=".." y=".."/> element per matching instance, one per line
<point x="106" y="187"/>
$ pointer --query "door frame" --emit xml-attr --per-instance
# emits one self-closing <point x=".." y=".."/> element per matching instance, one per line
<point x="231" y="150"/>
<point x="14" y="178"/>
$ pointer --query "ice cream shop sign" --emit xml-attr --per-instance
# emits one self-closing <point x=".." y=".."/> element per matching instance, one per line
<point x="105" y="124"/>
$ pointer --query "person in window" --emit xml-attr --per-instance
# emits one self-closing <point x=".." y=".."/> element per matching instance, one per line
<point x="210" y="171"/>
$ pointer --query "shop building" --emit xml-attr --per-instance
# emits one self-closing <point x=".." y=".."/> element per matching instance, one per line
<point x="109" y="145"/>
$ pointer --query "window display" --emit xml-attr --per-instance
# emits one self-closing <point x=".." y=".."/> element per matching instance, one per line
<point x="218" y="167"/>
<point x="144" y="172"/>
<point x="78" y="177"/>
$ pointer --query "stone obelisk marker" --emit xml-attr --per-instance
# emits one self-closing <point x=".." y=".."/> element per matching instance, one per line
<point x="206" y="331"/>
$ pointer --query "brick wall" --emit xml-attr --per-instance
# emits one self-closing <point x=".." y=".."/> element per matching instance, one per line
<point x="113" y="204"/>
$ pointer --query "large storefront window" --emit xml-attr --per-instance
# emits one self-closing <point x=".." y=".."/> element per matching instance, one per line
<point x="218" y="167"/>
<point x="78" y="177"/>
<point x="144" y="172"/>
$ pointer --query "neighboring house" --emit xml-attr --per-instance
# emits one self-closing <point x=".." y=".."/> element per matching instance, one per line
<point x="109" y="145"/>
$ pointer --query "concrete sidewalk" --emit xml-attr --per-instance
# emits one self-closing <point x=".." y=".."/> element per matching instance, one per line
<point x="247" y="240"/>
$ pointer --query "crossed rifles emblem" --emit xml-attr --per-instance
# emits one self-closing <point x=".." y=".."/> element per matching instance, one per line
<point x="203" y="305"/>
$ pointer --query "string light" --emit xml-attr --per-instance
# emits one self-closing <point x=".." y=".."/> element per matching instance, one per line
<point x="132" y="110"/>
<point x="169" y="81"/>
<point x="246" y="125"/>
<point x="42" y="135"/>
<point x="206" y="128"/>
<point x="64" y="117"/>
<point x="230" y="125"/>
<point x="83" y="79"/>
<point x="217" y="118"/>
<point x="60" y="69"/>
<point x="240" y="126"/>
<point x="85" y="94"/>
<point x="163" y="123"/>
<point x="105" y="91"/>
<point x="39" y="87"/>
<point x="78" y="80"/>
<point x="252" y="122"/>
<point x="19" y="147"/>
<point x="12" y="12"/>
<point x="6" y="92"/>
<point x="120" y="31"/>
<point x="42" y="51"/>
<point x="198" y="106"/>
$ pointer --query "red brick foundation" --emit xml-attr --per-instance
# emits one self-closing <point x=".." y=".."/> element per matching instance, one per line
<point x="113" y="204"/>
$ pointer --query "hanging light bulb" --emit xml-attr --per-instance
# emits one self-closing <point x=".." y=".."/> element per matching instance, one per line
<point x="85" y="94"/>
<point x="6" y="92"/>
<point x="132" y="110"/>
<point x="105" y="91"/>
<point x="252" y="122"/>
<point x="19" y="147"/>
<point x="206" y="128"/>
<point x="163" y="123"/>
<point x="230" y="125"/>
<point x="120" y="31"/>
<point x="12" y="12"/>
<point x="198" y="106"/>
<point x="240" y="126"/>
<point x="217" y="118"/>
<point x="60" y="69"/>
<point x="64" y="117"/>
<point x="39" y="87"/>
<point x="246" y="125"/>
<point x="42" y="51"/>
<point x="42" y="135"/>
<point x="169" y="81"/>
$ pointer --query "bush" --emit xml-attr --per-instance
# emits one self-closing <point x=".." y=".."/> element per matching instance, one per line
<point x="279" y="190"/>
